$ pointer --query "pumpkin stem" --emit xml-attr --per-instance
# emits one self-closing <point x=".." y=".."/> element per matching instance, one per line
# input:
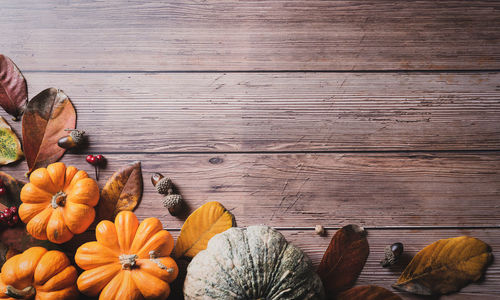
<point x="154" y="257"/>
<point x="59" y="199"/>
<point x="127" y="261"/>
<point x="25" y="293"/>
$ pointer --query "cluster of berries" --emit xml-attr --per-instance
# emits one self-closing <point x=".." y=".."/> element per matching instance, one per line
<point x="95" y="159"/>
<point x="9" y="217"/>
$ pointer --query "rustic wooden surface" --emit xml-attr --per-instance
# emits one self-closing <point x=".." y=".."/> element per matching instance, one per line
<point x="290" y="113"/>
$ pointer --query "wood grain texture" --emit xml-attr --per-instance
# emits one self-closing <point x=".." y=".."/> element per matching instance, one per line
<point x="251" y="35"/>
<point x="414" y="240"/>
<point x="295" y="190"/>
<point x="281" y="111"/>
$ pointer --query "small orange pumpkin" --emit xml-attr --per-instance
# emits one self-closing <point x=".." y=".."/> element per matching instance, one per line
<point x="128" y="261"/>
<point x="58" y="202"/>
<point x="37" y="271"/>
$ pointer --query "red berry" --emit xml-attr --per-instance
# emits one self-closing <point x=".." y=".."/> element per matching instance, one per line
<point x="99" y="158"/>
<point x="91" y="159"/>
<point x="15" y="219"/>
<point x="13" y="210"/>
<point x="11" y="224"/>
<point x="3" y="190"/>
<point x="3" y="219"/>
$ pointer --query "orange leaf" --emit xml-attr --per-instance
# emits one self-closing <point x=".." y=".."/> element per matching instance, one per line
<point x="205" y="222"/>
<point x="368" y="292"/>
<point x="344" y="259"/>
<point x="445" y="266"/>
<point x="46" y="117"/>
<point x="13" y="90"/>
<point x="122" y="191"/>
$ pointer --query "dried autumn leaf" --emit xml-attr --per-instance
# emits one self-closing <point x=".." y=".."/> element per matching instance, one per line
<point x="46" y="117"/>
<point x="344" y="259"/>
<point x="10" y="147"/>
<point x="368" y="292"/>
<point x="205" y="222"/>
<point x="13" y="187"/>
<point x="19" y="239"/>
<point x="445" y="266"/>
<point x="122" y="191"/>
<point x="6" y="252"/>
<point x="13" y="90"/>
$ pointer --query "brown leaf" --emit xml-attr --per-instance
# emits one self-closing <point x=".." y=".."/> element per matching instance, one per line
<point x="13" y="90"/>
<point x="368" y="292"/>
<point x="6" y="252"/>
<point x="122" y="191"/>
<point x="208" y="220"/>
<point x="46" y="117"/>
<point x="445" y="266"/>
<point x="344" y="259"/>
<point x="19" y="239"/>
<point x="13" y="187"/>
<point x="10" y="147"/>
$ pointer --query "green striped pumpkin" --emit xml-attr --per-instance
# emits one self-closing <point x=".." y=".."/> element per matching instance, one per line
<point x="252" y="263"/>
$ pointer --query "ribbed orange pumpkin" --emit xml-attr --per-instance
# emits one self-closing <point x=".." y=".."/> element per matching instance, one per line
<point x="37" y="271"/>
<point x="58" y="202"/>
<point x="128" y="261"/>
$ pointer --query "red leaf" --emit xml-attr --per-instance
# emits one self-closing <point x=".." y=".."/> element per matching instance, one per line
<point x="344" y="259"/>
<point x="46" y="117"/>
<point x="368" y="292"/>
<point x="13" y="90"/>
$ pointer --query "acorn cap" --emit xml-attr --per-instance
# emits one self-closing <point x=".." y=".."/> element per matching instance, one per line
<point x="77" y="135"/>
<point x="172" y="200"/>
<point x="390" y="258"/>
<point x="163" y="185"/>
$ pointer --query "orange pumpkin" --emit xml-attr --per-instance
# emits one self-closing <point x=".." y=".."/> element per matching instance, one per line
<point x="58" y="202"/>
<point x="37" y="271"/>
<point x="128" y="261"/>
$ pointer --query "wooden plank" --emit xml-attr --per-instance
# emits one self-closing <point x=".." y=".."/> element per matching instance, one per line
<point x="281" y="111"/>
<point x="383" y="189"/>
<point x="414" y="240"/>
<point x="251" y="35"/>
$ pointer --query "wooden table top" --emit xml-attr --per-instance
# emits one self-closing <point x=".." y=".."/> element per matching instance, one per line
<point x="380" y="113"/>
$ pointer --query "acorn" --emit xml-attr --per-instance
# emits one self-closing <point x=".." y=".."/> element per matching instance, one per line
<point x="74" y="139"/>
<point x="172" y="201"/>
<point x="392" y="254"/>
<point x="162" y="184"/>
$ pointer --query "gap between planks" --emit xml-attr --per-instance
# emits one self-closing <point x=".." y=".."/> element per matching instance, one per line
<point x="404" y="71"/>
<point x="376" y="228"/>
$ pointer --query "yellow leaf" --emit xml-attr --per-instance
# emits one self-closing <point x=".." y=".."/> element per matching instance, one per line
<point x="445" y="266"/>
<point x="10" y="147"/>
<point x="205" y="222"/>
